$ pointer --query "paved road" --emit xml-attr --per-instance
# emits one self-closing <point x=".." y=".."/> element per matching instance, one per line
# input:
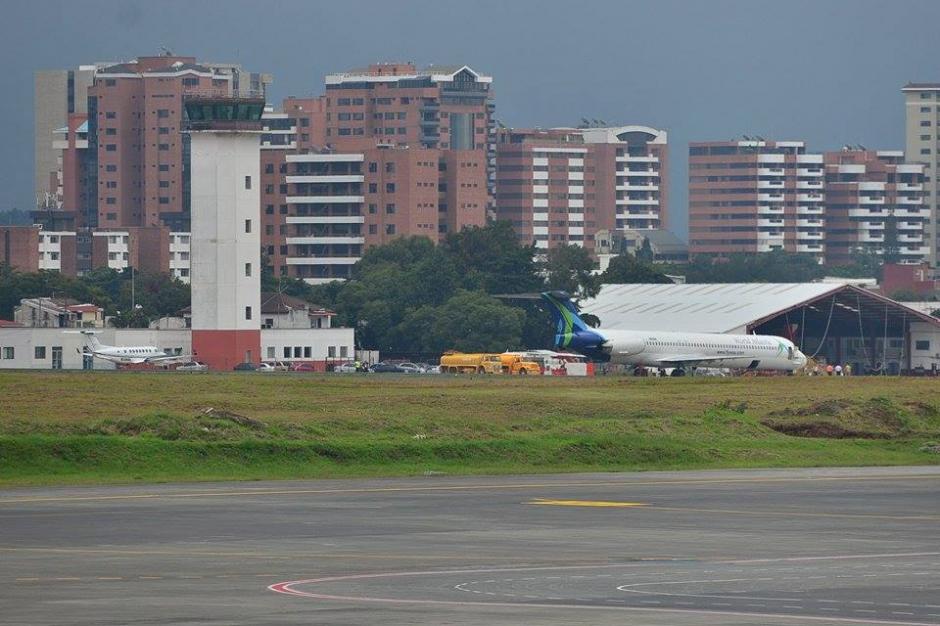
<point x="750" y="547"/>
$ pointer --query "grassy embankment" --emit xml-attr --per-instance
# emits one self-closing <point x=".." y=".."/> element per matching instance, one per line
<point x="123" y="427"/>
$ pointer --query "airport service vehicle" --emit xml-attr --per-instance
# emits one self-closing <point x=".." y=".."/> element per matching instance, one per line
<point x="193" y="366"/>
<point x="245" y="367"/>
<point x="126" y="354"/>
<point x="664" y="349"/>
<point x="471" y="363"/>
<point x="517" y="363"/>
<point x="386" y="368"/>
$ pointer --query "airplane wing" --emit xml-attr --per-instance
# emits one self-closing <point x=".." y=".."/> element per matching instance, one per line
<point x="169" y="358"/>
<point x="686" y="359"/>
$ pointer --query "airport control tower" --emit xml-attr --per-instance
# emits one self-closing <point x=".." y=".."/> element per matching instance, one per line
<point x="225" y="280"/>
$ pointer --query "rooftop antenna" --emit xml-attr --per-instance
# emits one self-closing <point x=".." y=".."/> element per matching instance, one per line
<point x="166" y="51"/>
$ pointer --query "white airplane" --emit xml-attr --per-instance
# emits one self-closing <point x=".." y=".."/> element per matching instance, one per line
<point x="667" y="349"/>
<point x="126" y="354"/>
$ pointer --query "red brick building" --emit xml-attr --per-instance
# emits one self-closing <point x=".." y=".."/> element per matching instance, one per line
<point x="561" y="186"/>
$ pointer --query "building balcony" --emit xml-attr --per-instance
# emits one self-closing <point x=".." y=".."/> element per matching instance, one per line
<point x="638" y="173"/>
<point x="809" y="236"/>
<point x="326" y="178"/>
<point x="637" y="159"/>
<point x="632" y="202"/>
<point x="326" y="239"/>
<point x="870" y="237"/>
<point x="810" y="247"/>
<point x="870" y="200"/>
<point x="915" y="250"/>
<point x="910" y="200"/>
<point x="325" y="219"/>
<point x="918" y="239"/>
<point x="771" y="223"/>
<point x="637" y="187"/>
<point x="810" y="210"/>
<point x="770" y="171"/>
<point x="765" y="236"/>
<point x="869" y="213"/>
<point x="909" y="213"/>
<point x="770" y="197"/>
<point x="810" y="197"/>
<point x="770" y="184"/>
<point x="809" y="184"/>
<point x="322" y="260"/>
<point x="814" y="172"/>
<point x="809" y="223"/>
<point x="909" y="187"/>
<point x="638" y="216"/>
<point x="325" y="199"/>
<point x="770" y="210"/>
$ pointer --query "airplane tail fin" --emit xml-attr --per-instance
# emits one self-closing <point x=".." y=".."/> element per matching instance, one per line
<point x="91" y="337"/>
<point x="564" y="313"/>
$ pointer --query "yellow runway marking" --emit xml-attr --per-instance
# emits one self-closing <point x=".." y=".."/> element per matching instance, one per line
<point x="458" y="488"/>
<point x="588" y="503"/>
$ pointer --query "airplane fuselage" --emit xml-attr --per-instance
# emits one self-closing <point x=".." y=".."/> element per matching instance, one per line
<point x="650" y="348"/>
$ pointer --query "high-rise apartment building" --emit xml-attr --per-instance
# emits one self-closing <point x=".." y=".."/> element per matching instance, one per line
<point x="875" y="204"/>
<point x="756" y="195"/>
<point x="57" y="94"/>
<point x="561" y="186"/>
<point x="922" y="134"/>
<point x="447" y="108"/>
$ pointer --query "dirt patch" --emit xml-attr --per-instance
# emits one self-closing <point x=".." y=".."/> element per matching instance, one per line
<point x="821" y="430"/>
<point x="876" y="418"/>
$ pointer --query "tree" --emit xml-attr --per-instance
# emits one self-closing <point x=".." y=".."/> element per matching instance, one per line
<point x="645" y="253"/>
<point x="491" y="258"/>
<point x="472" y="321"/>
<point x="776" y="266"/>
<point x="570" y="268"/>
<point x="624" y="269"/>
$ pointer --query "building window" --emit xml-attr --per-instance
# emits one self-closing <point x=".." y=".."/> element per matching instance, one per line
<point x="390" y="208"/>
<point x="247" y="312"/>
<point x="389" y="187"/>
<point x="8" y="353"/>
<point x="110" y="115"/>
<point x="373" y="167"/>
<point x="925" y="123"/>
<point x="373" y="229"/>
<point x="269" y="209"/>
<point x="269" y="168"/>
<point x="343" y="352"/>
<point x="40" y="352"/>
<point x="247" y="182"/>
<point x="270" y="352"/>
<point x="110" y="131"/>
<point x="286" y="352"/>
<point x="373" y="188"/>
<point x="330" y="352"/>
<point x="371" y="208"/>
<point x="248" y="270"/>
<point x="164" y="200"/>
<point x="163" y="130"/>
<point x="922" y="344"/>
<point x="111" y="147"/>
<point x="298" y="351"/>
<point x="163" y="184"/>
<point x="390" y="168"/>
<point x="163" y="146"/>
<point x="163" y="113"/>
<point x="164" y="167"/>
<point x="247" y="226"/>
<point x="308" y="351"/>
<point x="283" y="209"/>
<point x="112" y="168"/>
<point x="390" y="229"/>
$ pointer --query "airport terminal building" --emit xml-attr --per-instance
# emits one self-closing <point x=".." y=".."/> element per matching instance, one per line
<point x="832" y="323"/>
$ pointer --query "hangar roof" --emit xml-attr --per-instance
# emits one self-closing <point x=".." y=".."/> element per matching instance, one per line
<point x="717" y="308"/>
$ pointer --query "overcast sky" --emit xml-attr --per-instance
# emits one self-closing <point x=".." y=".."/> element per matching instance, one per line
<point x="828" y="72"/>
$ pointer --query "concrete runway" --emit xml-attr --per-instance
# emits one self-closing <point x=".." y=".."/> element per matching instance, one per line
<point x="847" y="546"/>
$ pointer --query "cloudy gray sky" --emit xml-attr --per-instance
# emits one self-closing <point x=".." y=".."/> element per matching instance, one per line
<point x="829" y="72"/>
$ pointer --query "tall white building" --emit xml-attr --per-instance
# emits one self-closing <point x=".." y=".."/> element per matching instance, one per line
<point x="922" y="101"/>
<point x="225" y="239"/>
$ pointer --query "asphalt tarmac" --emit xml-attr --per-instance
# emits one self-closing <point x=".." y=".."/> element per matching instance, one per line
<point x="846" y="546"/>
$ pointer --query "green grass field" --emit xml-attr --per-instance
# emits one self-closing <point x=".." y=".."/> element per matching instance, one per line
<point x="82" y="427"/>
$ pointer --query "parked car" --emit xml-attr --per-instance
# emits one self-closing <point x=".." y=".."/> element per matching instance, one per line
<point x="192" y="366"/>
<point x="245" y="367"/>
<point x="411" y="368"/>
<point x="345" y="368"/>
<point x="279" y="366"/>
<point x="304" y="367"/>
<point x="386" y="368"/>
<point x="265" y="367"/>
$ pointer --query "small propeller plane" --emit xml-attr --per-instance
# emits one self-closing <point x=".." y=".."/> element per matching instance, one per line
<point x="127" y="354"/>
